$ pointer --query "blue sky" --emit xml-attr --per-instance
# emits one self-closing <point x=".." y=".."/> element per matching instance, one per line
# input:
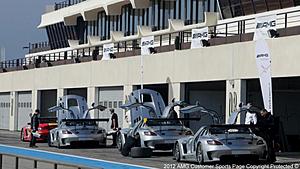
<point x="18" y="24"/>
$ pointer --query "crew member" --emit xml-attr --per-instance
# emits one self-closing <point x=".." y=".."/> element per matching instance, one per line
<point x="114" y="126"/>
<point x="34" y="127"/>
<point x="266" y="131"/>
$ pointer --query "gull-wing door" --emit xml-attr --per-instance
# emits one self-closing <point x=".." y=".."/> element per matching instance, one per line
<point x="242" y="109"/>
<point x="86" y="114"/>
<point x="202" y="110"/>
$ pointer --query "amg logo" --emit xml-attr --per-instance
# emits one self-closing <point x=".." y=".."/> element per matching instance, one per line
<point x="200" y="35"/>
<point x="111" y="49"/>
<point x="266" y="24"/>
<point x="262" y="55"/>
<point x="146" y="43"/>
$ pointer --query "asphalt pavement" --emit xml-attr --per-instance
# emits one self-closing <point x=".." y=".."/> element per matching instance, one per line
<point x="160" y="159"/>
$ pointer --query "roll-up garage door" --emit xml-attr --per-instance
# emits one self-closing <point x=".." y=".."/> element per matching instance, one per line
<point x="111" y="97"/>
<point x="24" y="108"/>
<point x="4" y="110"/>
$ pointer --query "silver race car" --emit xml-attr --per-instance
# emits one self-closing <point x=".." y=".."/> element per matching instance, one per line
<point x="217" y="142"/>
<point x="78" y="130"/>
<point x="154" y="125"/>
<point x="75" y="124"/>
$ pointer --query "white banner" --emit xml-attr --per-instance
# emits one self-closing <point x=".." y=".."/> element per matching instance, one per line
<point x="146" y="43"/>
<point x="107" y="49"/>
<point x="197" y="36"/>
<point x="263" y="63"/>
<point x="262" y="25"/>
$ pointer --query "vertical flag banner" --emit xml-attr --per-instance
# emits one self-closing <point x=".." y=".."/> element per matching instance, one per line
<point x="263" y="63"/>
<point x="262" y="25"/>
<point x="107" y="49"/>
<point x="197" y="36"/>
<point x="146" y="43"/>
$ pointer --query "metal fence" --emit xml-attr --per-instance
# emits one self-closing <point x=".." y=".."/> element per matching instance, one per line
<point x="9" y="161"/>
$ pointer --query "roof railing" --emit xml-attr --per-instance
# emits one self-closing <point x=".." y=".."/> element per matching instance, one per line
<point x="66" y="3"/>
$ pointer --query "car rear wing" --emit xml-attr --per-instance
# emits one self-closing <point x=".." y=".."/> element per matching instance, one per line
<point x="86" y="120"/>
<point x="48" y="119"/>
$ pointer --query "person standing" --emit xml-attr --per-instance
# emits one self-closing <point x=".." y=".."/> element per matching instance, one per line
<point x="114" y="126"/>
<point x="266" y="130"/>
<point x="34" y="127"/>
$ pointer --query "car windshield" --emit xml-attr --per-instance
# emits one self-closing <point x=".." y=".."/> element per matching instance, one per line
<point x="223" y="130"/>
<point x="80" y="123"/>
<point x="164" y="123"/>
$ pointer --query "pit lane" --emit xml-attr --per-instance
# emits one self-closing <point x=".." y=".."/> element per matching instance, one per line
<point x="160" y="159"/>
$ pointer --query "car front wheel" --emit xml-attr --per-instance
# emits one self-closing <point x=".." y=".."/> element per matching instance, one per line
<point x="119" y="141"/>
<point x="199" y="154"/>
<point x="177" y="152"/>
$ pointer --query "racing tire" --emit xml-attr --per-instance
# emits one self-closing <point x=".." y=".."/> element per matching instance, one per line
<point x="22" y="136"/>
<point x="49" y="140"/>
<point x="199" y="155"/>
<point x="140" y="152"/>
<point x="177" y="152"/>
<point x="119" y="141"/>
<point x="129" y="143"/>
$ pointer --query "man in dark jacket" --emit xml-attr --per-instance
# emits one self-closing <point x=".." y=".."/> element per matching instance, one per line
<point x="265" y="123"/>
<point x="34" y="127"/>
<point x="114" y="126"/>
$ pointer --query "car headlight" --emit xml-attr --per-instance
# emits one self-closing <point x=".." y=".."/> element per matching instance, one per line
<point x="214" y="142"/>
<point x="150" y="133"/>
<point x="66" y="132"/>
<point x="100" y="131"/>
<point x="188" y="132"/>
<point x="259" y="142"/>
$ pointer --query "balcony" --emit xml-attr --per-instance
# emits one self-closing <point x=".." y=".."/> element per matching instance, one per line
<point x="66" y="3"/>
<point x="225" y="33"/>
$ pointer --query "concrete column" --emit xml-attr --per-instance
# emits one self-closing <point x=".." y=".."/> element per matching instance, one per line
<point x="13" y="111"/>
<point x="127" y="90"/>
<point x="35" y="100"/>
<point x="235" y="94"/>
<point x="92" y="98"/>
<point x="61" y="92"/>
<point x="177" y="91"/>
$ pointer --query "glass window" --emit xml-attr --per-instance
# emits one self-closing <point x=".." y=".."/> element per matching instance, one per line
<point x="236" y="7"/>
<point x="225" y="9"/>
<point x="260" y="6"/>
<point x="287" y="3"/>
<point x="273" y="4"/>
<point x="247" y="6"/>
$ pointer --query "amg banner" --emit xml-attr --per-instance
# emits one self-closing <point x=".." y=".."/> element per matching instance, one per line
<point x="107" y="49"/>
<point x="263" y="63"/>
<point x="262" y="25"/>
<point x="197" y="36"/>
<point x="146" y="43"/>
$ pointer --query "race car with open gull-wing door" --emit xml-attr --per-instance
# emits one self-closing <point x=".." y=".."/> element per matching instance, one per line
<point x="217" y="142"/>
<point x="75" y="124"/>
<point x="154" y="125"/>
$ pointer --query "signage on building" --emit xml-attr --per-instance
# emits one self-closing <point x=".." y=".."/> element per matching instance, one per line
<point x="263" y="25"/>
<point x="146" y="44"/>
<point x="107" y="50"/>
<point x="263" y="63"/>
<point x="197" y="36"/>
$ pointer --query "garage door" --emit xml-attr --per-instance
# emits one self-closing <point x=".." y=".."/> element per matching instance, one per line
<point x="4" y="110"/>
<point x="24" y="108"/>
<point x="111" y="97"/>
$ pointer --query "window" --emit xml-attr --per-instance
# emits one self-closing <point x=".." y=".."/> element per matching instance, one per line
<point x="72" y="102"/>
